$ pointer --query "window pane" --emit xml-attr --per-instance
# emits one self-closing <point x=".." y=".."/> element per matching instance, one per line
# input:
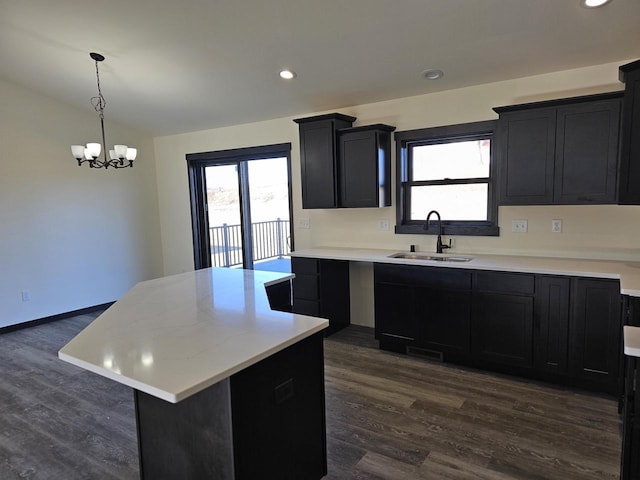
<point x="453" y="202"/>
<point x="468" y="159"/>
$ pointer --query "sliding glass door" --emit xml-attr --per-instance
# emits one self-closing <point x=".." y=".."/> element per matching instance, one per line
<point x="241" y="208"/>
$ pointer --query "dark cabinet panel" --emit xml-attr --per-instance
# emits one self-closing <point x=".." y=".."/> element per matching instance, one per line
<point x="596" y="331"/>
<point x="394" y="313"/>
<point x="560" y="152"/>
<point x="502" y="328"/>
<point x="318" y="159"/>
<point x="444" y="318"/>
<point x="424" y="307"/>
<point x="587" y="153"/>
<point x="321" y="289"/>
<point x="335" y="300"/>
<point x="551" y="324"/>
<point x="365" y="166"/>
<point x="526" y="156"/>
<point x="630" y="145"/>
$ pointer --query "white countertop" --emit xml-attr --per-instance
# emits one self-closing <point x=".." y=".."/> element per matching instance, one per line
<point x="631" y="341"/>
<point x="175" y="336"/>
<point x="627" y="272"/>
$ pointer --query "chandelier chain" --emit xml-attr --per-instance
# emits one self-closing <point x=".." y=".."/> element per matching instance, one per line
<point x="98" y="101"/>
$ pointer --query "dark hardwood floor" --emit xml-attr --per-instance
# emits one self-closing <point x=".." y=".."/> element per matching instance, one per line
<point x="389" y="416"/>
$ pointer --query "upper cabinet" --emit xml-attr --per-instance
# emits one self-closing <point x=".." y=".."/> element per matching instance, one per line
<point x="630" y="146"/>
<point x="559" y="152"/>
<point x="318" y="158"/>
<point x="344" y="167"/>
<point x="365" y="166"/>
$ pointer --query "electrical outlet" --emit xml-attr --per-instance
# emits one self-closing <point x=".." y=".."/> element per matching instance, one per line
<point x="383" y="225"/>
<point x="304" y="223"/>
<point x="519" y="226"/>
<point x="556" y="226"/>
<point x="26" y="295"/>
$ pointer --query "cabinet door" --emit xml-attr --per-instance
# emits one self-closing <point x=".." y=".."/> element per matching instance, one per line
<point x="502" y="328"/>
<point x="318" y="164"/>
<point x="587" y="153"/>
<point x="595" y="331"/>
<point x="551" y="324"/>
<point x="526" y="144"/>
<point x="630" y="144"/>
<point x="444" y="318"/>
<point x="365" y="167"/>
<point x="394" y="311"/>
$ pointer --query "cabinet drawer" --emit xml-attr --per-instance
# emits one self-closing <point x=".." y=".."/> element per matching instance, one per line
<point x="306" y="287"/>
<point x="499" y="282"/>
<point x="304" y="265"/>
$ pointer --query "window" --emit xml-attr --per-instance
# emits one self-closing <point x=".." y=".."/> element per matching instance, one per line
<point x="448" y="169"/>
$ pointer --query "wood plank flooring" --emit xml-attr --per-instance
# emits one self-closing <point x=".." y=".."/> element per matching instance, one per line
<point x="389" y="417"/>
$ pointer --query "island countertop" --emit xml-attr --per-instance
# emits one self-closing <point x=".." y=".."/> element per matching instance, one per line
<point x="174" y="336"/>
<point x="627" y="272"/>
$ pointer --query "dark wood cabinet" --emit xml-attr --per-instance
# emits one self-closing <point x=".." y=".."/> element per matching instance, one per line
<point x="587" y="153"/>
<point x="559" y="152"/>
<point x="318" y="158"/>
<point x="526" y="154"/>
<point x="321" y="289"/>
<point x="394" y="311"/>
<point x="629" y="190"/>
<point x="344" y="167"/>
<point x="502" y="318"/>
<point x="551" y="324"/>
<point x="365" y="166"/>
<point x="266" y="421"/>
<point x="595" y="332"/>
<point x="444" y="320"/>
<point x="422" y="307"/>
<point x="561" y="329"/>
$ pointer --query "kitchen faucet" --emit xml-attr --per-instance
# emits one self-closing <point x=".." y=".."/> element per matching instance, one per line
<point x="439" y="245"/>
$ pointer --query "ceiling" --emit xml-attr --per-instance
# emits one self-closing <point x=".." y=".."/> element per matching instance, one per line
<point x="176" y="66"/>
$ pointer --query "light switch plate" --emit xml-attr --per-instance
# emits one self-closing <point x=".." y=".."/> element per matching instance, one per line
<point x="304" y="223"/>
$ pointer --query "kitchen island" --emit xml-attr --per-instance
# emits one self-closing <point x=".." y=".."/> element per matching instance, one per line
<point x="224" y="386"/>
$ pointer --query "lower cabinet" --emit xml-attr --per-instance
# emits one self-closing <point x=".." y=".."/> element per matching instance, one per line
<point x="422" y="307"/>
<point x="503" y="328"/>
<point x="562" y="329"/>
<point x="551" y="324"/>
<point x="321" y="289"/>
<point x="596" y="331"/>
<point x="502" y="318"/>
<point x="395" y="320"/>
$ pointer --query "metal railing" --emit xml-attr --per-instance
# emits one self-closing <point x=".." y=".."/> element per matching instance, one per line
<point x="269" y="241"/>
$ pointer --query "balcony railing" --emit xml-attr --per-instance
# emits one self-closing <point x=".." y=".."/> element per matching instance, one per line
<point x="270" y="240"/>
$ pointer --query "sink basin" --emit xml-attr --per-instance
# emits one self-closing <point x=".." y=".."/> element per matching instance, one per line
<point x="437" y="258"/>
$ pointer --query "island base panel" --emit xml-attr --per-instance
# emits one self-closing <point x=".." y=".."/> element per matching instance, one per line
<point x="266" y="421"/>
<point x="186" y="440"/>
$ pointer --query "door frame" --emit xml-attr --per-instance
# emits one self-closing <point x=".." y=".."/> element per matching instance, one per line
<point x="196" y="164"/>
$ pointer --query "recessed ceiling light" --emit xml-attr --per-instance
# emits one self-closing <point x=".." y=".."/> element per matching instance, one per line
<point x="433" y="74"/>
<point x="593" y="3"/>
<point x="287" y="74"/>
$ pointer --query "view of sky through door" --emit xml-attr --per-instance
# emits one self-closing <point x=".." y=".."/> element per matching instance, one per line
<point x="266" y="208"/>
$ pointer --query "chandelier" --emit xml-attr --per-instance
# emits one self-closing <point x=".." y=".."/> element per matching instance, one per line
<point x="121" y="156"/>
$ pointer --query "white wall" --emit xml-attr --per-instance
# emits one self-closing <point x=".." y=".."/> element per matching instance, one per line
<point x="74" y="237"/>
<point x="588" y="231"/>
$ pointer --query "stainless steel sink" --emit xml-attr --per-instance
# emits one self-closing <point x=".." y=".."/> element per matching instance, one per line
<point x="437" y="258"/>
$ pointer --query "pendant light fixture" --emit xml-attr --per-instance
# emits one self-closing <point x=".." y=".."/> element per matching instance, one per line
<point x="121" y="156"/>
